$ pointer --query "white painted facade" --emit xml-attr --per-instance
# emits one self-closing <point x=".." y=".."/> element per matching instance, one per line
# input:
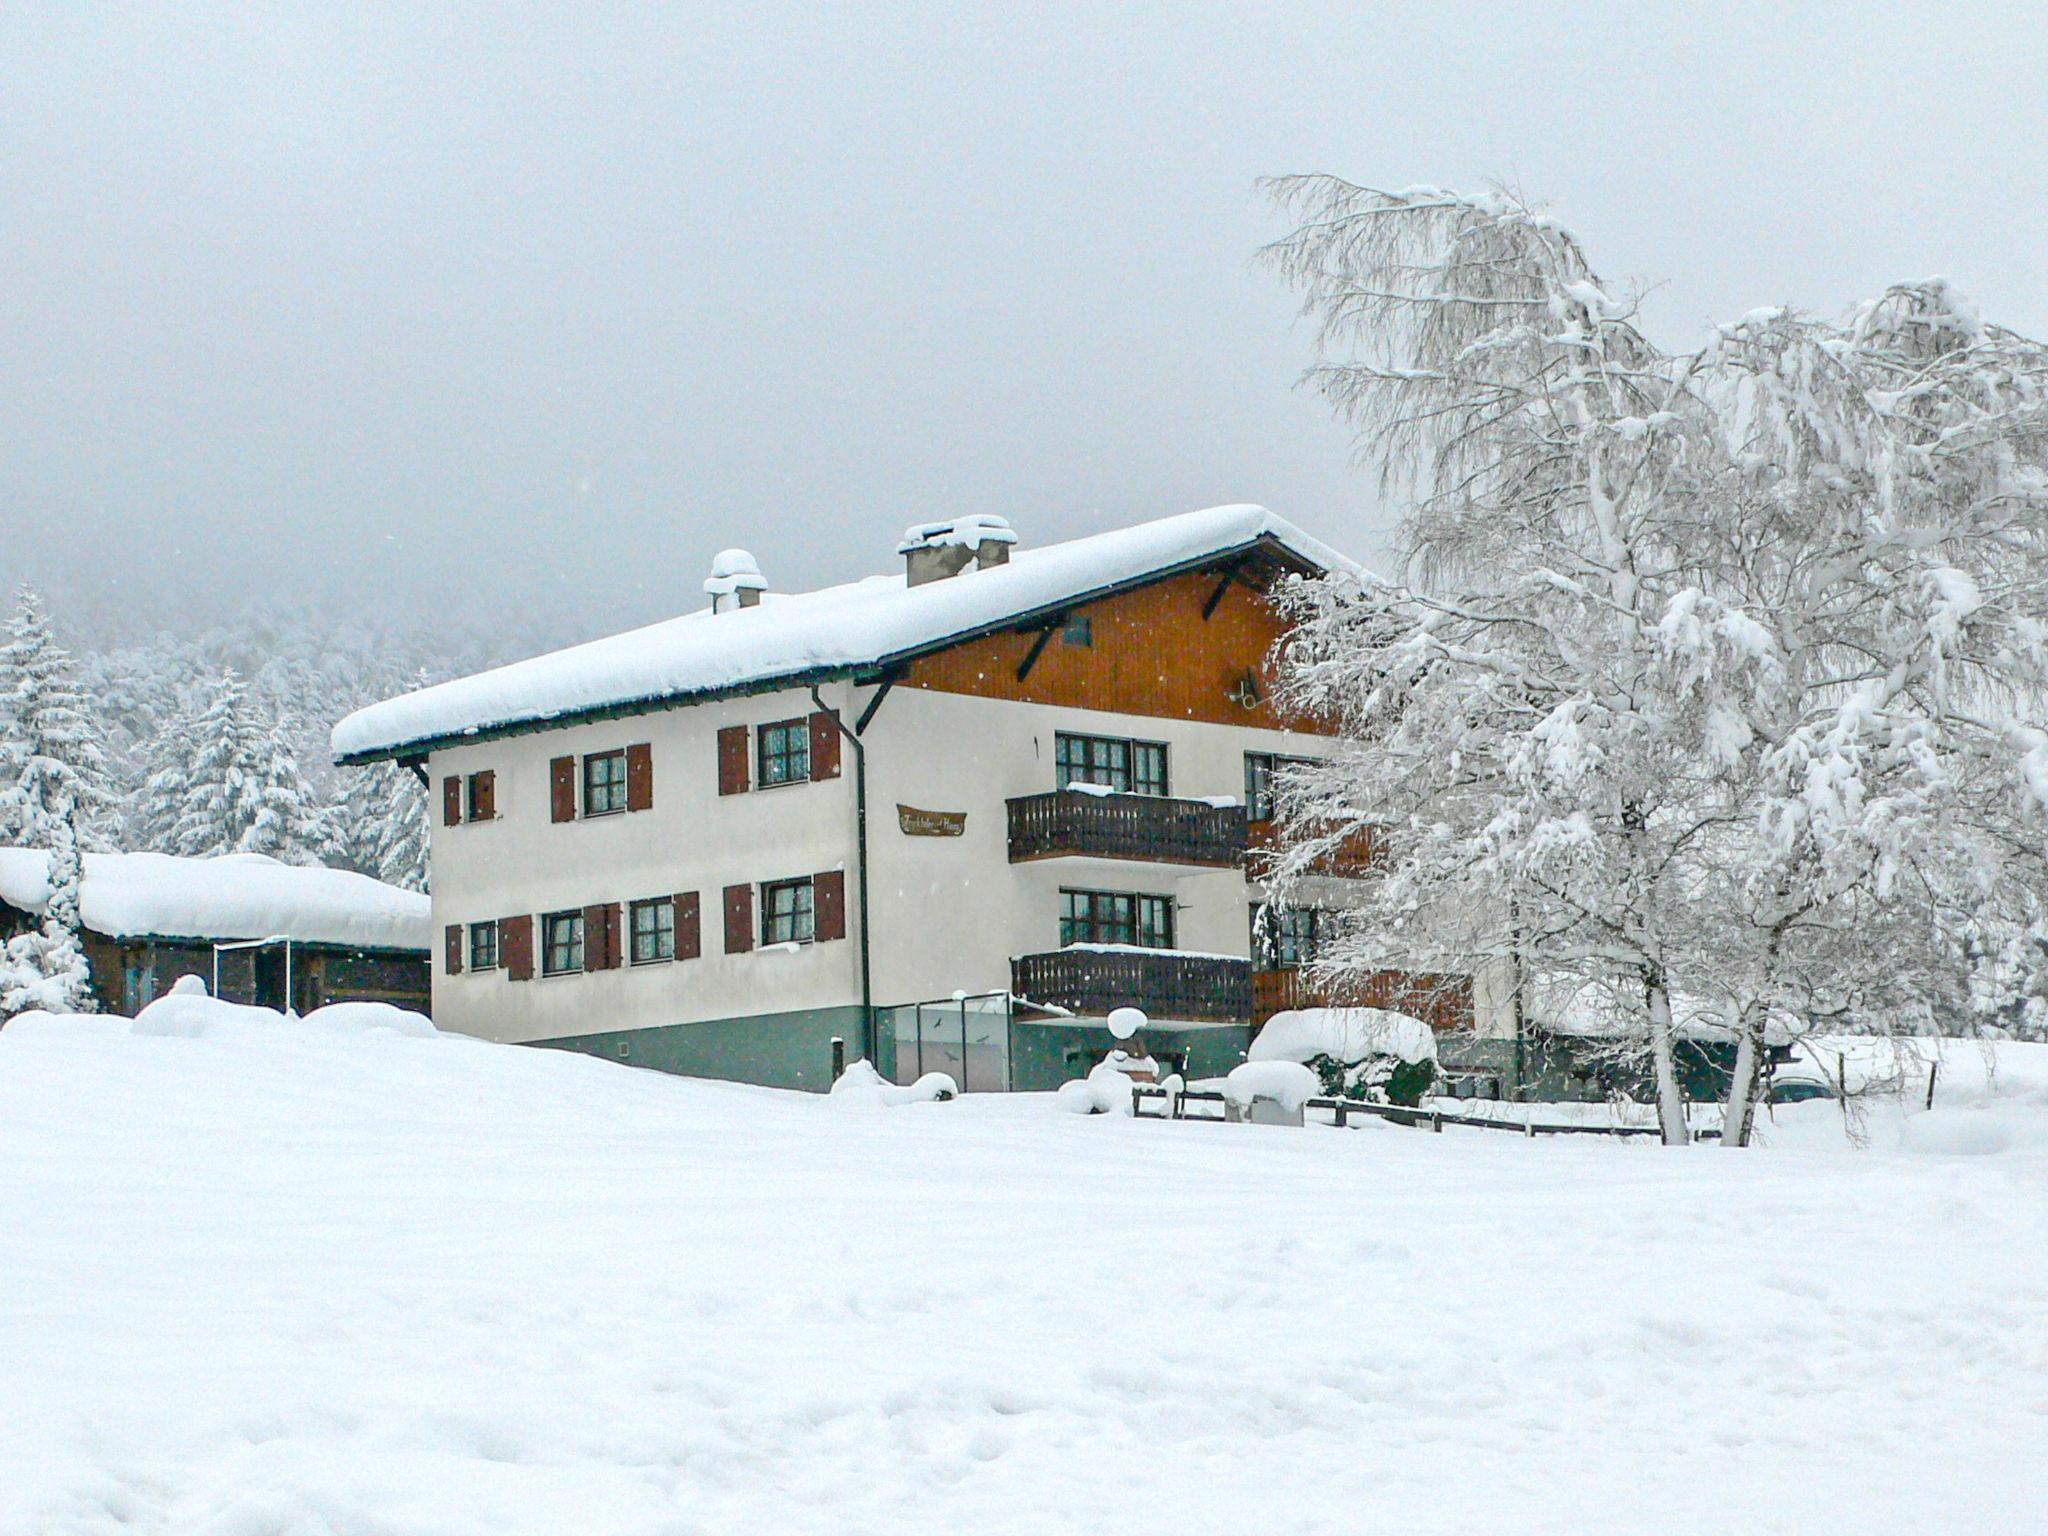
<point x="948" y="913"/>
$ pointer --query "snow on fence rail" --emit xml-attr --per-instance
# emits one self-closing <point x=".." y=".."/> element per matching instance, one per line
<point x="1173" y="1106"/>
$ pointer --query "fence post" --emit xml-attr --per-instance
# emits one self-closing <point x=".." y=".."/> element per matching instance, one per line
<point x="1436" y="1121"/>
<point x="1932" y="1068"/>
<point x="838" y="1057"/>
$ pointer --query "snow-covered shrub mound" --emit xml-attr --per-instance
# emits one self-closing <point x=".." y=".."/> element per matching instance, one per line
<point x="1106" y="1090"/>
<point x="860" y="1083"/>
<point x="187" y="1011"/>
<point x="370" y="1019"/>
<point x="1354" y="1050"/>
<point x="1286" y="1083"/>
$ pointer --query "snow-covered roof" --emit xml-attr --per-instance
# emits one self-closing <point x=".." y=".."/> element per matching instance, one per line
<point x="234" y="896"/>
<point x="790" y="639"/>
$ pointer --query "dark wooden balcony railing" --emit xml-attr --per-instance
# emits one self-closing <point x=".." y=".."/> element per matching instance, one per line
<point x="1211" y="989"/>
<point x="1444" y="1001"/>
<point x="1359" y="853"/>
<point x="1147" y="827"/>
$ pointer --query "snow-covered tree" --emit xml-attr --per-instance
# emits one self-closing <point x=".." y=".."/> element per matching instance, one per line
<point x="1715" y="679"/>
<point x="53" y="792"/>
<point x="237" y="784"/>
<point x="381" y="826"/>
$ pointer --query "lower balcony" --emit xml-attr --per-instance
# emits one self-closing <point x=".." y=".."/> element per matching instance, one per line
<point x="1067" y="823"/>
<point x="1089" y="980"/>
<point x="1444" y="1002"/>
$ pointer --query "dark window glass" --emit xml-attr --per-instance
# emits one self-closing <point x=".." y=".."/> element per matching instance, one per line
<point x="483" y="946"/>
<point x="1080" y="630"/>
<point x="1135" y="767"/>
<point x="785" y="752"/>
<point x="1285" y="938"/>
<point x="653" y="930"/>
<point x="561" y="943"/>
<point x="1116" y="917"/>
<point x="604" y="783"/>
<point x="786" y="915"/>
<point x="1261" y="783"/>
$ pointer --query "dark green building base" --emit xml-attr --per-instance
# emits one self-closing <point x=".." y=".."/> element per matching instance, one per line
<point x="776" y="1050"/>
<point x="794" y="1050"/>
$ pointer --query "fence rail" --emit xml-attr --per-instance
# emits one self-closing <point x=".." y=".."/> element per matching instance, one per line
<point x="1147" y="827"/>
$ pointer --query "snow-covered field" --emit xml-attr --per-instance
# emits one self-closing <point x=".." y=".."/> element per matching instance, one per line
<point x="294" y="1284"/>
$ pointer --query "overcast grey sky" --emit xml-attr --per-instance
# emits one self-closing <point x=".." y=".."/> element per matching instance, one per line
<point x="543" y="306"/>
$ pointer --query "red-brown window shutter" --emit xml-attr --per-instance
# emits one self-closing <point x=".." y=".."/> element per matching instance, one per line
<point x="732" y="760"/>
<point x="453" y="953"/>
<point x="562" y="789"/>
<point x="640" y="777"/>
<point x="739" y="919"/>
<point x="451" y="800"/>
<point x="483" y="794"/>
<point x="824" y="745"/>
<point x="689" y="926"/>
<point x="828" y="905"/>
<point x="515" y="947"/>
<point x="593" y="938"/>
<point x="612" y="948"/>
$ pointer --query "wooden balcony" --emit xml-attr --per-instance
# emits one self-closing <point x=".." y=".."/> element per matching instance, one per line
<point x="1445" y="1002"/>
<point x="1360" y="853"/>
<point x="1168" y="985"/>
<point x="1152" y="829"/>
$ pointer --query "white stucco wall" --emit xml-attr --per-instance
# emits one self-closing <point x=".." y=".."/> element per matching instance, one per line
<point x="950" y="912"/>
<point x="692" y="839"/>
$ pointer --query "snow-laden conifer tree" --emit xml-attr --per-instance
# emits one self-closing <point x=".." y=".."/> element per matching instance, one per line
<point x="53" y="793"/>
<point x="238" y="786"/>
<point x="1720" y="677"/>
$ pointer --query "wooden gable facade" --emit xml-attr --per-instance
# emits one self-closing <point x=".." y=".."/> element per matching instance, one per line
<point x="1198" y="645"/>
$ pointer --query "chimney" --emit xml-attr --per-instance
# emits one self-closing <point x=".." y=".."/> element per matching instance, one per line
<point x="934" y="551"/>
<point x="735" y="580"/>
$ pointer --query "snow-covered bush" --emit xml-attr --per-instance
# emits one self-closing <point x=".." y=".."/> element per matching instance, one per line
<point x="1354" y="1052"/>
<point x="861" y="1084"/>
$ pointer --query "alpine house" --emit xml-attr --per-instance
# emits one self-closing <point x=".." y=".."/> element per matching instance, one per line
<point x="951" y="816"/>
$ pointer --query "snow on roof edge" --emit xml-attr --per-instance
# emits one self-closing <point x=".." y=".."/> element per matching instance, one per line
<point x="807" y="638"/>
<point x="230" y="896"/>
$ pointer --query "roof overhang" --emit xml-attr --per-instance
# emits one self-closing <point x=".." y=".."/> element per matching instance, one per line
<point x="1267" y="554"/>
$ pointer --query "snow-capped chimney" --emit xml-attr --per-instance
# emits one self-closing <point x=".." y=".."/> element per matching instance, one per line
<point x="934" y="551"/>
<point x="735" y="580"/>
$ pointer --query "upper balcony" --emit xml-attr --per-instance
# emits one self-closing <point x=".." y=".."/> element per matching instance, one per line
<point x="1071" y="823"/>
<point x="1445" y="1002"/>
<point x="1360" y="853"/>
<point x="1171" y="986"/>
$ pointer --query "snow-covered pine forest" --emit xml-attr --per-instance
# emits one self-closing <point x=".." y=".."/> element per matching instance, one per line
<point x="215" y="741"/>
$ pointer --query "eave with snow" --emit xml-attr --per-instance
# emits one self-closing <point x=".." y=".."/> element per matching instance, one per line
<point x="1026" y="777"/>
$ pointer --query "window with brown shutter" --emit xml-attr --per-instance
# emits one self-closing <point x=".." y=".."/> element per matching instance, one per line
<point x="828" y="900"/>
<point x="483" y="794"/>
<point x="452" y="950"/>
<point x="640" y="777"/>
<point x="562" y="789"/>
<point x="601" y="936"/>
<point x="515" y="947"/>
<point x="451" y="800"/>
<point x="689" y="926"/>
<point x="739" y="919"/>
<point x="824" y="745"/>
<point x="732" y="760"/>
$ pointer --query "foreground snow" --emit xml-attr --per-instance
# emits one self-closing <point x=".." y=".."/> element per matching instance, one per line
<point x="349" y="1281"/>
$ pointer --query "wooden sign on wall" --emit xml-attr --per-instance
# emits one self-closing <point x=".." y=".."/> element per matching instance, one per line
<point x="916" y="823"/>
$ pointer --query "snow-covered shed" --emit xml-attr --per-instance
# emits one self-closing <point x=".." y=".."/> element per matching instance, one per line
<point x="328" y="935"/>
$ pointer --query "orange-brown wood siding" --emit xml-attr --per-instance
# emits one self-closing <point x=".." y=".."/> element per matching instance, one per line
<point x="1154" y="654"/>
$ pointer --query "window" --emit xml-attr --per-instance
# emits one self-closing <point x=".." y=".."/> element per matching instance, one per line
<point x="785" y="753"/>
<point x="1080" y="630"/>
<point x="1259" y="786"/>
<point x="1286" y="938"/>
<point x="483" y="946"/>
<point x="653" y="930"/>
<point x="561" y="943"/>
<point x="1116" y="917"/>
<point x="1135" y="767"/>
<point x="604" y="783"/>
<point x="787" y="915"/>
<point x="482" y="788"/>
